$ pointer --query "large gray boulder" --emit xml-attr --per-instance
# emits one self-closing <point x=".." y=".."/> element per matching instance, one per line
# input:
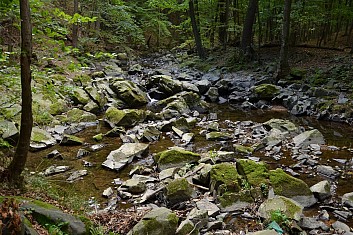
<point x="321" y="190"/>
<point x="79" y="96"/>
<point x="8" y="131"/>
<point x="178" y="190"/>
<point x="165" y="84"/>
<point x="51" y="214"/>
<point x="347" y="199"/>
<point x="130" y="93"/>
<point x="119" y="158"/>
<point x="306" y="138"/>
<point x="41" y="139"/>
<point x="282" y="125"/>
<point x="77" y="115"/>
<point x="126" y="117"/>
<point x="291" y="187"/>
<point x="156" y="222"/>
<point x="287" y="206"/>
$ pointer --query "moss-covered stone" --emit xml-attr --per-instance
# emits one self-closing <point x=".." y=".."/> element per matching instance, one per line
<point x="178" y="190"/>
<point x="126" y="117"/>
<point x="175" y="158"/>
<point x="79" y="96"/>
<point x="187" y="227"/>
<point x="282" y="125"/>
<point x="158" y="221"/>
<point x="286" y="185"/>
<point x="130" y="93"/>
<point x="58" y="107"/>
<point x="255" y="173"/>
<point x="266" y="91"/>
<point x="216" y="135"/>
<point x="77" y="115"/>
<point x="98" y="137"/>
<point x="242" y="198"/>
<point x="224" y="178"/>
<point x="287" y="206"/>
<point x="243" y="149"/>
<point x="71" y="140"/>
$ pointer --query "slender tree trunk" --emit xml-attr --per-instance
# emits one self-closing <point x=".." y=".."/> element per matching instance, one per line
<point x="223" y="6"/>
<point x="283" y="69"/>
<point x="17" y="165"/>
<point x="75" y="26"/>
<point x="195" y="29"/>
<point x="248" y="29"/>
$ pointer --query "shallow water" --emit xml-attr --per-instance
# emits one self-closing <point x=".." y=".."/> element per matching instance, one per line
<point x="100" y="178"/>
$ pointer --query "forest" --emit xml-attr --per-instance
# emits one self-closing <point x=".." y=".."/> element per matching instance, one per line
<point x="176" y="117"/>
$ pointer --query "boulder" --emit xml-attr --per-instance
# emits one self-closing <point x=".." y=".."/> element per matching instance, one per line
<point x="97" y="96"/>
<point x="79" y="96"/>
<point x="312" y="223"/>
<point x="41" y="139"/>
<point x="8" y="131"/>
<point x="78" y="115"/>
<point x="175" y="157"/>
<point x="216" y="135"/>
<point x="306" y="138"/>
<point x="178" y="190"/>
<point x="282" y="125"/>
<point x="53" y="170"/>
<point x="198" y="217"/>
<point x="234" y="201"/>
<point x="126" y="117"/>
<point x="212" y="94"/>
<point x="255" y="173"/>
<point x="119" y="158"/>
<point x="156" y="222"/>
<point x="243" y="150"/>
<point x="58" y="107"/>
<point x="274" y="137"/>
<point x="224" y="178"/>
<point x="71" y="140"/>
<point x="165" y="84"/>
<point x="266" y="91"/>
<point x="321" y="190"/>
<point x="46" y="213"/>
<point x="133" y="186"/>
<point x="347" y="199"/>
<point x="211" y="208"/>
<point x="290" y="187"/>
<point x="187" y="227"/>
<point x="327" y="171"/>
<point x="130" y="93"/>
<point x="287" y="206"/>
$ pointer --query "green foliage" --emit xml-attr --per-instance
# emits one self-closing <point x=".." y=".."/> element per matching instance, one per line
<point x="279" y="217"/>
<point x="56" y="229"/>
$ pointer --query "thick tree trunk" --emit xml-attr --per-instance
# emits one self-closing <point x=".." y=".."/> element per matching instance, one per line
<point x="283" y="69"/>
<point x="75" y="26"/>
<point x="195" y="29"/>
<point x="248" y="30"/>
<point x="18" y="163"/>
<point x="223" y="6"/>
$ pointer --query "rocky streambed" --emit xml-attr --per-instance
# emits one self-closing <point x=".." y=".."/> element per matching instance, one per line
<point x="180" y="145"/>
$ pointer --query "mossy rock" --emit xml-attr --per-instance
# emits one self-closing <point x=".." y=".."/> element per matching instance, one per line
<point x="58" y="107"/>
<point x="156" y="222"/>
<point x="125" y="117"/>
<point x="241" y="149"/>
<point x="178" y="190"/>
<point x="255" y="173"/>
<point x="266" y="91"/>
<point x="79" y="96"/>
<point x="187" y="227"/>
<point x="235" y="201"/>
<point x="77" y="115"/>
<point x="297" y="73"/>
<point x="288" y="186"/>
<point x="130" y="93"/>
<point x="166" y="84"/>
<point x="71" y="140"/>
<point x="282" y="125"/>
<point x="217" y="135"/>
<point x="175" y="157"/>
<point x="279" y="204"/>
<point x="224" y="178"/>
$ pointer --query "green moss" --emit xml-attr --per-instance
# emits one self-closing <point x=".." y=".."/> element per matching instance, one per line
<point x="98" y="137"/>
<point x="178" y="185"/>
<point x="243" y="149"/>
<point x="229" y="198"/>
<point x="291" y="207"/>
<point x="176" y="156"/>
<point x="44" y="205"/>
<point x="38" y="136"/>
<point x="114" y="115"/>
<point x="172" y="218"/>
<point x="255" y="173"/>
<point x="286" y="185"/>
<point x="216" y="135"/>
<point x="266" y="91"/>
<point x="224" y="174"/>
<point x="57" y="108"/>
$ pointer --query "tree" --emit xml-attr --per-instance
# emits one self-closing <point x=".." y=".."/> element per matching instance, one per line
<point x="246" y="41"/>
<point x="284" y="69"/>
<point x="17" y="165"/>
<point x="75" y="26"/>
<point x="195" y="30"/>
<point x="223" y="6"/>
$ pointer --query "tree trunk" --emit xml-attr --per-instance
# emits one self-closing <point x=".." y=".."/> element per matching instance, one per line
<point x="75" y="26"/>
<point x="195" y="30"/>
<point x="17" y="165"/>
<point x="223" y="6"/>
<point x="246" y="41"/>
<point x="283" y="69"/>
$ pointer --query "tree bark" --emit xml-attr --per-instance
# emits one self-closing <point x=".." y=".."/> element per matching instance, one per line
<point x="196" y="32"/>
<point x="223" y="6"/>
<point x="284" y="69"/>
<point x="75" y="26"/>
<point x="246" y="41"/>
<point x="17" y="165"/>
